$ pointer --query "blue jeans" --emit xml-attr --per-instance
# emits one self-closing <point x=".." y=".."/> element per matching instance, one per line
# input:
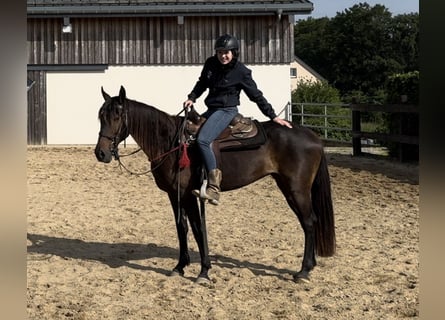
<point x="217" y="120"/>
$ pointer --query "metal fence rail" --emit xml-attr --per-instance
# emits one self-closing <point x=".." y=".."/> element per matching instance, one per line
<point x="342" y="123"/>
<point x="321" y="117"/>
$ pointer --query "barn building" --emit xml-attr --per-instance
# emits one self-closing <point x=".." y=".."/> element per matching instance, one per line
<point x="301" y="72"/>
<point x="155" y="49"/>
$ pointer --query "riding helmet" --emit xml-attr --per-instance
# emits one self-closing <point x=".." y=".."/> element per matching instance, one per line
<point x="226" y="42"/>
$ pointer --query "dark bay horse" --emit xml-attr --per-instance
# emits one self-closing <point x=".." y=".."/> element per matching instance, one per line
<point x="293" y="157"/>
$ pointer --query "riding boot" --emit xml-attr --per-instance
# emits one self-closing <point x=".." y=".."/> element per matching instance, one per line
<point x="213" y="187"/>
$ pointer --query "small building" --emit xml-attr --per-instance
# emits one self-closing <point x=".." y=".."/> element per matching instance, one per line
<point x="155" y="49"/>
<point x="300" y="71"/>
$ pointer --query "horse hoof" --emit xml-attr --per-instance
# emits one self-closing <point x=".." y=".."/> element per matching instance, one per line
<point x="301" y="279"/>
<point x="176" y="273"/>
<point x="203" y="281"/>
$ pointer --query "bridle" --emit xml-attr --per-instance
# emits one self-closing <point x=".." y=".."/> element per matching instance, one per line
<point x="178" y="137"/>
<point x="114" y="146"/>
<point x="114" y="139"/>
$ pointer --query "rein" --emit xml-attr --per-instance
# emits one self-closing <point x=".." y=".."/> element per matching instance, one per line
<point x="121" y="165"/>
<point x="182" y="162"/>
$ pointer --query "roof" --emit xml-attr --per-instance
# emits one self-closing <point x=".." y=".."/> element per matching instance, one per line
<point x="309" y="69"/>
<point x="101" y="8"/>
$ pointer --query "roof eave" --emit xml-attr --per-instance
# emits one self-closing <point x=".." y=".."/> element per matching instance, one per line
<point x="169" y="10"/>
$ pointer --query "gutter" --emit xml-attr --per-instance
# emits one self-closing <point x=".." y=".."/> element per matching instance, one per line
<point x="168" y="10"/>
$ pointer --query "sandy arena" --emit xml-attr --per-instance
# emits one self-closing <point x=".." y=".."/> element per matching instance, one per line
<point x="102" y="242"/>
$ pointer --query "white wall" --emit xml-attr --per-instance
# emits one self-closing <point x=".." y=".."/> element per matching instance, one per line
<point x="303" y="74"/>
<point x="74" y="98"/>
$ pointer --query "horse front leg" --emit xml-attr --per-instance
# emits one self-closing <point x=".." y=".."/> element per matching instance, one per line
<point x="182" y="230"/>
<point x="199" y="229"/>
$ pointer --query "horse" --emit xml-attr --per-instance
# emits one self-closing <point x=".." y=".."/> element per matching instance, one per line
<point x="294" y="157"/>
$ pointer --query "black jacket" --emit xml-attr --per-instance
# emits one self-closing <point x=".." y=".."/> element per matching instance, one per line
<point x="225" y="83"/>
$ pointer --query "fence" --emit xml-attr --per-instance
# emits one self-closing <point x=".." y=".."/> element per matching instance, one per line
<point x="332" y="121"/>
<point x="403" y="129"/>
<point x="342" y="123"/>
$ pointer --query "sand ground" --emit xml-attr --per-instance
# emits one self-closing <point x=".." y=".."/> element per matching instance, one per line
<point x="101" y="244"/>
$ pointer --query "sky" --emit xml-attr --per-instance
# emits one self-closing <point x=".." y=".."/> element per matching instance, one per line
<point x="329" y="8"/>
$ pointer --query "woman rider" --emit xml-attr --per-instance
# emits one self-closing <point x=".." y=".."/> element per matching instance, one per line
<point x="225" y="76"/>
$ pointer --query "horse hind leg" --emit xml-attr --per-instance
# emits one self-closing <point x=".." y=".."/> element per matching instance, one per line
<point x="300" y="203"/>
<point x="306" y="216"/>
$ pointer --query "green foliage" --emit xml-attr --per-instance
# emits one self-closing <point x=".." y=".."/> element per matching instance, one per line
<point x="355" y="96"/>
<point x="358" y="96"/>
<point x="404" y="32"/>
<point x="319" y="91"/>
<point x="319" y="98"/>
<point x="310" y="42"/>
<point x="405" y="84"/>
<point x="370" y="57"/>
<point x="403" y="87"/>
<point x="360" y="48"/>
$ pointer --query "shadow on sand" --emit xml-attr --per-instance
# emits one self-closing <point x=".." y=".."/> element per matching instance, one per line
<point x="118" y="255"/>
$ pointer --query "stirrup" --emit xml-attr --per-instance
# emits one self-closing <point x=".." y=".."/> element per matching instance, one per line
<point x="202" y="194"/>
<point x="214" y="202"/>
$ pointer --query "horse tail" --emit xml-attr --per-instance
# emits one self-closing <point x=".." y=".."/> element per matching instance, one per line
<point x="323" y="208"/>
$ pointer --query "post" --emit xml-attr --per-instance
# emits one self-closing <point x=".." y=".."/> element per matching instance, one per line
<point x="302" y="115"/>
<point x="356" y="129"/>
<point x="289" y="111"/>
<point x="325" y="121"/>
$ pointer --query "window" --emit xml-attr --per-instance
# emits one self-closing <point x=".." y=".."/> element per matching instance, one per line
<point x="293" y="72"/>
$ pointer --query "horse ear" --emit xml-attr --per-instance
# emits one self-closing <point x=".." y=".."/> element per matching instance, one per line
<point x="122" y="95"/>
<point x="105" y="95"/>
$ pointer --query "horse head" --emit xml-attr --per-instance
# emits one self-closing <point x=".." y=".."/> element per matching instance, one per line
<point x="113" y="117"/>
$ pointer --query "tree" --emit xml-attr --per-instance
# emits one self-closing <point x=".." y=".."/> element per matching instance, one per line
<point x="404" y="33"/>
<point x="310" y="44"/>
<point x="359" y="48"/>
<point x="315" y="92"/>
<point x="360" y="57"/>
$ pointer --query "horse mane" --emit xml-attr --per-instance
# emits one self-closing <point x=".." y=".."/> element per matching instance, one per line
<point x="153" y="129"/>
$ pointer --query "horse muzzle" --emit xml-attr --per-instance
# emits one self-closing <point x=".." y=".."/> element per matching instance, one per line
<point x="106" y="149"/>
<point x="103" y="155"/>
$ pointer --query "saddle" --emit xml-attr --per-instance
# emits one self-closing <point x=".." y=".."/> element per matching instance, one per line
<point x="242" y="132"/>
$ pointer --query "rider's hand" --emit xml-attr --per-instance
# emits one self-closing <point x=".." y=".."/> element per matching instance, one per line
<point x="282" y="122"/>
<point x="188" y="104"/>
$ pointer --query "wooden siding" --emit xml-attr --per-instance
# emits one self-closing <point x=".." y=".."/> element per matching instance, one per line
<point x="143" y="41"/>
<point x="156" y="40"/>
<point x="37" y="132"/>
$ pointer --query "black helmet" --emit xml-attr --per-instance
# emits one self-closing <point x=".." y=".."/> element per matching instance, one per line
<point x="226" y="42"/>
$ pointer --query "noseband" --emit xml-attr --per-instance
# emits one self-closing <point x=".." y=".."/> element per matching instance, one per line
<point x="113" y="147"/>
